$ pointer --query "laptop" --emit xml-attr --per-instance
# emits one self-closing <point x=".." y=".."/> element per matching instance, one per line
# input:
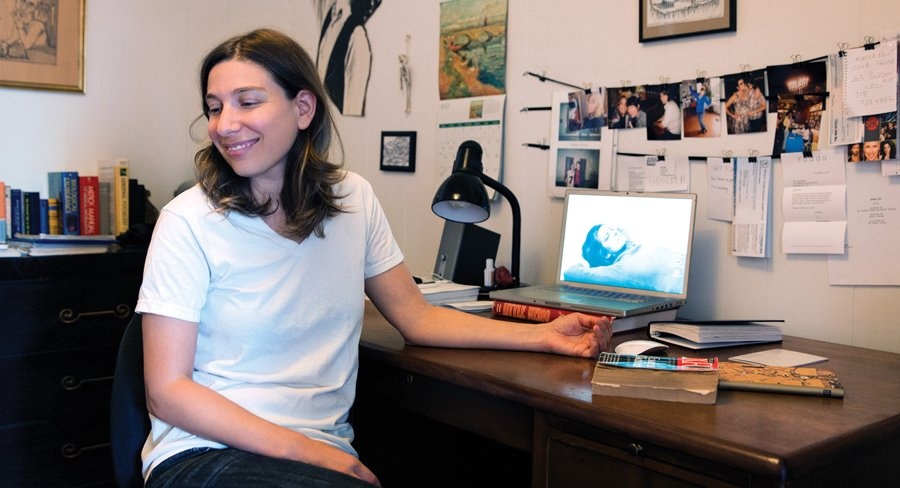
<point x="620" y="254"/>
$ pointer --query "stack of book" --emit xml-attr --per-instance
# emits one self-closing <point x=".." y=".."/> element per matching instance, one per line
<point x="708" y="334"/>
<point x="541" y="313"/>
<point x="802" y="380"/>
<point x="446" y="292"/>
<point x="56" y="244"/>
<point x="687" y="380"/>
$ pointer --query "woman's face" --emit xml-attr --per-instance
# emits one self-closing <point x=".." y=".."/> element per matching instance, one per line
<point x="622" y="106"/>
<point x="611" y="238"/>
<point x="886" y="149"/>
<point x="252" y="122"/>
<point x="870" y="150"/>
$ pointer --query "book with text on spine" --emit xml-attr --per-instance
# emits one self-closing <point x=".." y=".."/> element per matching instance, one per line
<point x="90" y="205"/>
<point x="63" y="186"/>
<point x="115" y="173"/>
<point x="541" y="313"/>
<point x="800" y="380"/>
<point x="675" y="379"/>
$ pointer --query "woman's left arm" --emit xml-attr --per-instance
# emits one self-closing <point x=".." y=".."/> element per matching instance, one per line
<point x="397" y="297"/>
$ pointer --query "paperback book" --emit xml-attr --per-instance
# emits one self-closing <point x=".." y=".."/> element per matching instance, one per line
<point x="801" y="380"/>
<point x="686" y="380"/>
<point x="709" y="334"/>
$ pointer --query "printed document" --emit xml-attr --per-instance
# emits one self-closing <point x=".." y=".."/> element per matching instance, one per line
<point x="814" y="203"/>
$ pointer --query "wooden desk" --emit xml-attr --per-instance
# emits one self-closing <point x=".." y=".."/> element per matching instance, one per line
<point x="541" y="426"/>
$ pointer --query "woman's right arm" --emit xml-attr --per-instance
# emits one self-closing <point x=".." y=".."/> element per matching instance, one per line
<point x="174" y="397"/>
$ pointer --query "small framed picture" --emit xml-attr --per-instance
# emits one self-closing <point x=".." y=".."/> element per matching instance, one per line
<point x="668" y="20"/>
<point x="398" y="151"/>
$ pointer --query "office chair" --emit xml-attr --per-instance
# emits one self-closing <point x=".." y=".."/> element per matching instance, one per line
<point x="129" y="423"/>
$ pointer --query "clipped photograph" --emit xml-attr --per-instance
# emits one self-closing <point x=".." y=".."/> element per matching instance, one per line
<point x="663" y="108"/>
<point x="577" y="168"/>
<point x="804" y="78"/>
<point x="626" y="107"/>
<point x="581" y="116"/>
<point x="798" y="123"/>
<point x="745" y="102"/>
<point x="702" y="108"/>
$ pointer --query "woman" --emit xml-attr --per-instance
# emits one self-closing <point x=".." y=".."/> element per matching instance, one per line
<point x="888" y="151"/>
<point x="614" y="259"/>
<point x="738" y="108"/>
<point x="252" y="298"/>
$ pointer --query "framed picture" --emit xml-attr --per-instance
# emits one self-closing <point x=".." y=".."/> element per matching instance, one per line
<point x="42" y="44"/>
<point x="661" y="19"/>
<point x="398" y="151"/>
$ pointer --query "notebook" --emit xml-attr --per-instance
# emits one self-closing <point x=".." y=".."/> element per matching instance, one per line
<point x="620" y="254"/>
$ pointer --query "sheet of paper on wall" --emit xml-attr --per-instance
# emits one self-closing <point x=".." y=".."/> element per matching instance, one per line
<point x="873" y="231"/>
<point x="750" y="226"/>
<point x="650" y="173"/>
<point x="813" y="202"/>
<point x="842" y="128"/>
<point x="479" y="119"/>
<point x="870" y="80"/>
<point x="720" y="189"/>
<point x="574" y="153"/>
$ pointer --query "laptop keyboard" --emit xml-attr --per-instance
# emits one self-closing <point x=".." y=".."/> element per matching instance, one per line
<point x="613" y="295"/>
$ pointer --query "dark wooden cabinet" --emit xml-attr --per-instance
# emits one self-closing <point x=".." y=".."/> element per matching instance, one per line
<point x="61" y="318"/>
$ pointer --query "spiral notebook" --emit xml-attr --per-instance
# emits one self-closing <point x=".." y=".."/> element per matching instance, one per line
<point x="648" y="273"/>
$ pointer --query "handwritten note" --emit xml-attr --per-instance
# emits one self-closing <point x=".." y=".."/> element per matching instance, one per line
<point x="870" y="80"/>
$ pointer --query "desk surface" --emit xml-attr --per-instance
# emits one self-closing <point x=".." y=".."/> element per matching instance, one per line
<point x="776" y="436"/>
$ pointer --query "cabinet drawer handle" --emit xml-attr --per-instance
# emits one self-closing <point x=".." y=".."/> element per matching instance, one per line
<point x="70" y="450"/>
<point x="635" y="449"/>
<point x="71" y="383"/>
<point x="69" y="316"/>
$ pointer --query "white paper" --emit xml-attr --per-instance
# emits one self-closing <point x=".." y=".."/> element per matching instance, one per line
<point x="813" y="203"/>
<point x="719" y="189"/>
<point x="842" y="129"/>
<point x="648" y="173"/>
<point x="751" y="207"/>
<point x="478" y="119"/>
<point x="873" y="232"/>
<point x="870" y="80"/>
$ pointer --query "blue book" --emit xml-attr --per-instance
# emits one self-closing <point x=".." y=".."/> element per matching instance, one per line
<point x="45" y="216"/>
<point x="63" y="185"/>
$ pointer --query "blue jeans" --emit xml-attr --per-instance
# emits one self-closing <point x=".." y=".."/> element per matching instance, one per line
<point x="224" y="468"/>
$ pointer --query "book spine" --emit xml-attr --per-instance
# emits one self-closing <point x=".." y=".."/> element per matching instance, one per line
<point x="31" y="207"/>
<point x="45" y="216"/>
<point x="15" y="202"/>
<point x="120" y="198"/>
<point x="90" y="205"/>
<point x="104" y="205"/>
<point x="53" y="216"/>
<point x="3" y="212"/>
<point x="776" y="388"/>
<point x="534" y="313"/>
<point x="63" y="185"/>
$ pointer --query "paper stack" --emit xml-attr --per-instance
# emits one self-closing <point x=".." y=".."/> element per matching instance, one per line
<point x="444" y="292"/>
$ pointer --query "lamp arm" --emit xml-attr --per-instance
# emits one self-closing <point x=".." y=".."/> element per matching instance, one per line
<point x="517" y="223"/>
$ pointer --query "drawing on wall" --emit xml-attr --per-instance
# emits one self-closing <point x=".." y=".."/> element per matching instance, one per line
<point x="344" y="57"/>
<point x="665" y="19"/>
<point x="472" y="54"/>
<point x="42" y="44"/>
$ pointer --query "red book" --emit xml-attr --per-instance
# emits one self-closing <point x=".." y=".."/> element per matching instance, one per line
<point x="534" y="313"/>
<point x="90" y="205"/>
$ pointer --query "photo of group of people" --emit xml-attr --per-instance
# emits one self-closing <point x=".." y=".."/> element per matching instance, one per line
<point x="879" y="140"/>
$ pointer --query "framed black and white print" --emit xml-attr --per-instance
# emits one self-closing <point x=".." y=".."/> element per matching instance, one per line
<point x="398" y="151"/>
<point x="664" y="19"/>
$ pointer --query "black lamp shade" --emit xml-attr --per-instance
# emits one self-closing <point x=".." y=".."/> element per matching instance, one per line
<point x="462" y="198"/>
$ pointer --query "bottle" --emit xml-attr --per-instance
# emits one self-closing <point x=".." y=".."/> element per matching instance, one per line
<point x="489" y="273"/>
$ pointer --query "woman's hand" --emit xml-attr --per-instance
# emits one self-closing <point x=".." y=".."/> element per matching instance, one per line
<point x="579" y="335"/>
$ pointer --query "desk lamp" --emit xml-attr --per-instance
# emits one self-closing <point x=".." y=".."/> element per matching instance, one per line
<point x="462" y="197"/>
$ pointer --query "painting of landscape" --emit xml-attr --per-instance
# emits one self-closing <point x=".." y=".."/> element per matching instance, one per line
<point x="472" y="59"/>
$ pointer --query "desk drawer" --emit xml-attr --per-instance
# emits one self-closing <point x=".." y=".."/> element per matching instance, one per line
<point x="578" y="455"/>
<point x="60" y="314"/>
<point x="60" y="385"/>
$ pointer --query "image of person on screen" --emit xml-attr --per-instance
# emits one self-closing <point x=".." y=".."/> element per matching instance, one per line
<point x="612" y="258"/>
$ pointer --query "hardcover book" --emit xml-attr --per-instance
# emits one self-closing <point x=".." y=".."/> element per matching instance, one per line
<point x="115" y="172"/>
<point x="63" y="185"/>
<point x="53" y="216"/>
<point x="801" y="380"/>
<point x="16" y="211"/>
<point x="90" y="205"/>
<point x="686" y="380"/>
<point x="715" y="333"/>
<point x="540" y="313"/>
<point x="31" y="211"/>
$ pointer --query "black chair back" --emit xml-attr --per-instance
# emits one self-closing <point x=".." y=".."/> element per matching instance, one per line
<point x="129" y="423"/>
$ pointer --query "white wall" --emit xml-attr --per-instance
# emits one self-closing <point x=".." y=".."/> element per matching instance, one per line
<point x="141" y="97"/>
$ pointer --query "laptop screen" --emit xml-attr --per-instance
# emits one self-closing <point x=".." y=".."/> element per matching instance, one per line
<point x="627" y="240"/>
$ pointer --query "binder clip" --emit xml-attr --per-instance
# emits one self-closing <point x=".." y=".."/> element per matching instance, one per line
<point x="753" y="154"/>
<point x="842" y="49"/>
<point x="726" y="156"/>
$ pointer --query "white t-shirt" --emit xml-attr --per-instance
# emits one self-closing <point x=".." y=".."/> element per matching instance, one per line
<point x="279" y="322"/>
